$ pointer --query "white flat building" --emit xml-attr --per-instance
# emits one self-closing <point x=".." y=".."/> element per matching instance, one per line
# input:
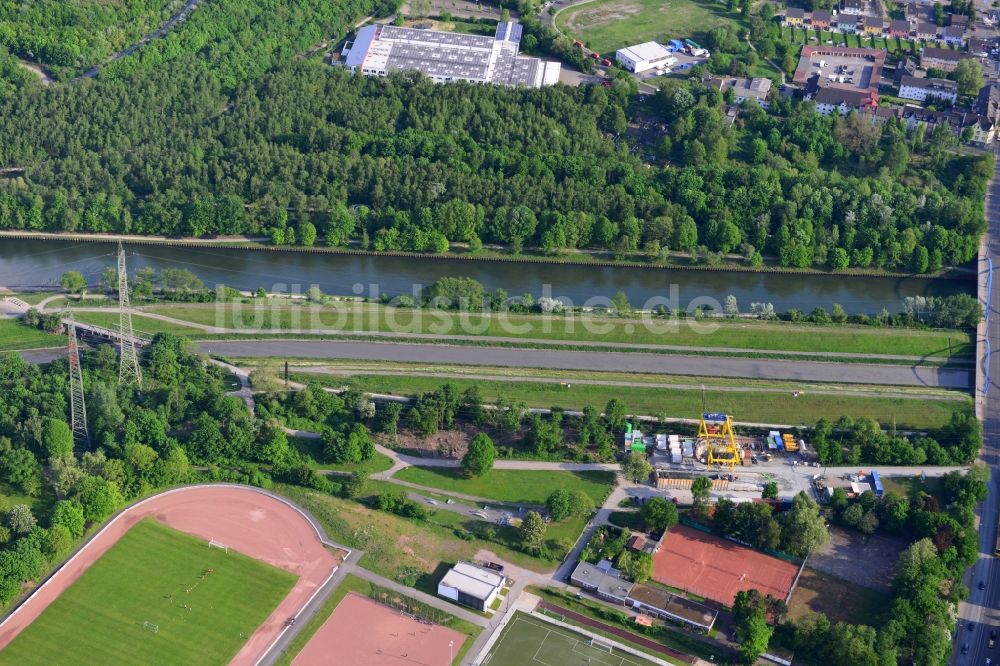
<point x="380" y="49"/>
<point x="922" y="89"/>
<point x="643" y="56"/>
<point x="471" y="586"/>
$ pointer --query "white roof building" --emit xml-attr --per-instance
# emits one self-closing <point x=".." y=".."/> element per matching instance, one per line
<point x="471" y="586"/>
<point x="643" y="56"/>
<point x="380" y="49"/>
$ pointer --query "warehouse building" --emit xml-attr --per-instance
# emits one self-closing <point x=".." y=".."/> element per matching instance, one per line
<point x="471" y="586"/>
<point x="642" y="57"/>
<point x="379" y="50"/>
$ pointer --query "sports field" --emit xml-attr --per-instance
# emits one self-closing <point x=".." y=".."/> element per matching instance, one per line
<point x="527" y="640"/>
<point x="607" y="25"/>
<point x="362" y="632"/>
<point x="717" y="569"/>
<point x="158" y="596"/>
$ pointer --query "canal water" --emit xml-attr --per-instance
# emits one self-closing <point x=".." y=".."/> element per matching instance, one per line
<point x="38" y="263"/>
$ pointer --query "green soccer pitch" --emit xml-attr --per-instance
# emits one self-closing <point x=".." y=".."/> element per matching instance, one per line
<point x="158" y="596"/>
<point x="529" y="641"/>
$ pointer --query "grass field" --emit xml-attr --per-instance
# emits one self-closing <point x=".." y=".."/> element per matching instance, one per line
<point x="725" y="334"/>
<point x="606" y="25"/>
<point x="749" y="405"/>
<point x="14" y="336"/>
<point x="838" y="599"/>
<point x="527" y="640"/>
<point x="352" y="583"/>
<point x="198" y="597"/>
<point x="507" y="485"/>
<point x="396" y="547"/>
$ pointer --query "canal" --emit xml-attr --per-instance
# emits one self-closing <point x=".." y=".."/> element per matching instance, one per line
<point x="39" y="263"/>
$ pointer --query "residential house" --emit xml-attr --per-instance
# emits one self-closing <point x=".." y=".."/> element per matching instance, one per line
<point x="954" y="35"/>
<point x="923" y="89"/>
<point x="872" y="26"/>
<point x="984" y="131"/>
<point x="606" y="585"/>
<point x="636" y="542"/>
<point x="906" y="68"/>
<point x="853" y="7"/>
<point x="943" y="59"/>
<point x="822" y="19"/>
<point x="795" y="17"/>
<point x="899" y="28"/>
<point x="959" y="19"/>
<point x="981" y="47"/>
<point x="839" y="100"/>
<point x="847" y="23"/>
<point x="988" y="101"/>
<point x="743" y="89"/>
<point x="927" y="31"/>
<point x="981" y="130"/>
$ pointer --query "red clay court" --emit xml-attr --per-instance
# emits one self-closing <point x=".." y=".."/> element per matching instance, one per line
<point x="362" y="632"/>
<point x="243" y="518"/>
<point x="717" y="569"/>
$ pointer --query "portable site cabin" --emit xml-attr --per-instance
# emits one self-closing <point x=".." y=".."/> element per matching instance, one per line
<point x="877" y="483"/>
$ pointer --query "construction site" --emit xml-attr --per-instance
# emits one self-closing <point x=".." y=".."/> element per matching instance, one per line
<point x="734" y="463"/>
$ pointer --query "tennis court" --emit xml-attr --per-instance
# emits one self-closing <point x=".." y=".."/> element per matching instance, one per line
<point x="529" y="640"/>
<point x="716" y="568"/>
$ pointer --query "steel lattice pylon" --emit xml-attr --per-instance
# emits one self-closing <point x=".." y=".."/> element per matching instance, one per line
<point x="78" y="408"/>
<point x="129" y="372"/>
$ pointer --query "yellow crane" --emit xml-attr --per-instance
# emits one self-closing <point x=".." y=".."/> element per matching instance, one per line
<point x="716" y="430"/>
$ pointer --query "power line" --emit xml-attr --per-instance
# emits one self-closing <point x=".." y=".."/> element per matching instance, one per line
<point x="129" y="372"/>
<point x="78" y="408"/>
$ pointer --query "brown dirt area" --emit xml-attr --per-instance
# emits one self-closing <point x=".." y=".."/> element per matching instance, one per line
<point x="838" y="599"/>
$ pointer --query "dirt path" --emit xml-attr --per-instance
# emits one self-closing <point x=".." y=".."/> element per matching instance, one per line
<point x="246" y="519"/>
<point x="37" y="71"/>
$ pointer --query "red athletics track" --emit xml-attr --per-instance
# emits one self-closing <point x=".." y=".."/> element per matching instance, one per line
<point x="717" y="569"/>
<point x="362" y="632"/>
<point x="243" y="518"/>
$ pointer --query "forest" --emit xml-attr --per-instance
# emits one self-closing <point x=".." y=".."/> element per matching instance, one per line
<point x="140" y="442"/>
<point x="219" y="129"/>
<point x="68" y="37"/>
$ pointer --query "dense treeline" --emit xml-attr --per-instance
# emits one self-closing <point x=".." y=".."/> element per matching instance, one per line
<point x="852" y="442"/>
<point x="916" y="627"/>
<point x="169" y="151"/>
<point x="140" y="442"/>
<point x="69" y="36"/>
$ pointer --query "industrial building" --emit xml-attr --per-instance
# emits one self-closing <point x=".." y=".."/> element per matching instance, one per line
<point x="471" y="586"/>
<point x="379" y="50"/>
<point x="642" y="57"/>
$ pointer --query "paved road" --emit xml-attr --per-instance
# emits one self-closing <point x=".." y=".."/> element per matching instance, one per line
<point x="983" y="606"/>
<point x="811" y="371"/>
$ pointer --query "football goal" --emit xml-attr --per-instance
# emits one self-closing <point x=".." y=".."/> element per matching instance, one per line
<point x="218" y="544"/>
<point x="602" y="645"/>
<point x="151" y="627"/>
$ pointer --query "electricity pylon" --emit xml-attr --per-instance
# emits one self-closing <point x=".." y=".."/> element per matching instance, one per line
<point x="78" y="408"/>
<point x="128" y="372"/>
